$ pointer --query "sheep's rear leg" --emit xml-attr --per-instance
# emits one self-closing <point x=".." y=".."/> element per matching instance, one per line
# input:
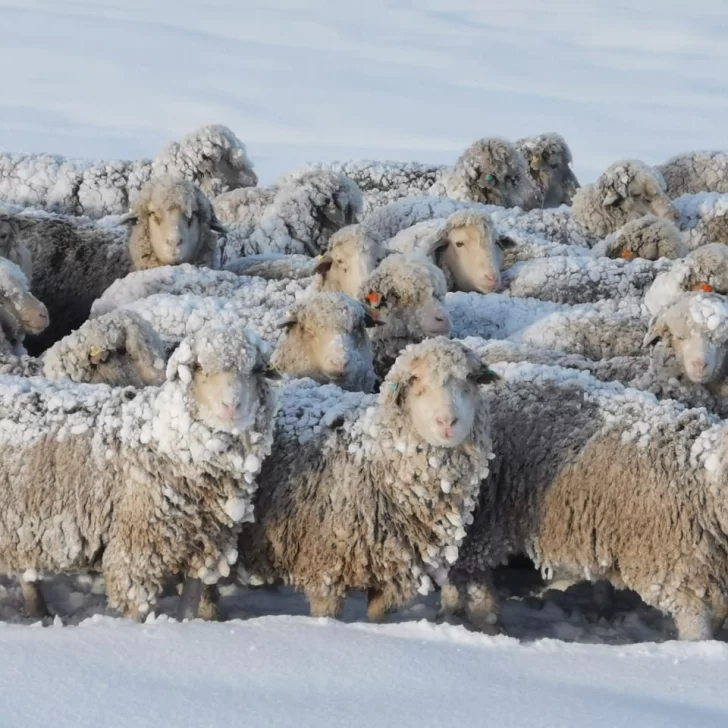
<point x="379" y="602"/>
<point x="189" y="603"/>
<point x="325" y="606"/>
<point x="694" y="625"/>
<point x="35" y="603"/>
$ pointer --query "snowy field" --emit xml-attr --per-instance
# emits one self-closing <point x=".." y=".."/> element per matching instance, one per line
<point x="303" y="80"/>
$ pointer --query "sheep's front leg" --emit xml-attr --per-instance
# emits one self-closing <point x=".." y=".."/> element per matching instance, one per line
<point x="694" y="624"/>
<point x="327" y="605"/>
<point x="189" y="603"/>
<point x="379" y="602"/>
<point x="475" y="595"/>
<point x="35" y="603"/>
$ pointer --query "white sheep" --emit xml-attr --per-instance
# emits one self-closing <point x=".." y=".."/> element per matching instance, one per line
<point x="372" y="492"/>
<point x="694" y="172"/>
<point x="625" y="191"/>
<point x="145" y="484"/>
<point x="21" y="313"/>
<point x="647" y="237"/>
<point x="703" y="218"/>
<point x="605" y="483"/>
<point x="211" y="157"/>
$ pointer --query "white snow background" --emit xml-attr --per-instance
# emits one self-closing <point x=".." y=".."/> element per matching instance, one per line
<point x="303" y="80"/>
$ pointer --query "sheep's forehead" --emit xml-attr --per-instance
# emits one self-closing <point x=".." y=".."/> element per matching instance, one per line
<point x="331" y="316"/>
<point x="437" y="362"/>
<point x="12" y="279"/>
<point x="177" y="198"/>
<point x="220" y="351"/>
<point x="706" y="316"/>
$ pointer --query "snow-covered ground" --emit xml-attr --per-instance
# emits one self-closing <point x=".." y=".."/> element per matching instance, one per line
<point x="302" y="80"/>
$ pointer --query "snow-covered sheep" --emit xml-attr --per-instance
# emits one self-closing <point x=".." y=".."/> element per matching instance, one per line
<point x="119" y="349"/>
<point x="326" y="340"/>
<point x="145" y="484"/>
<point x="694" y="172"/>
<point x="406" y="293"/>
<point x="705" y="269"/>
<point x="626" y="191"/>
<point x="274" y="266"/>
<point x="350" y="258"/>
<point x="641" y="481"/>
<point x="703" y="218"/>
<point x="466" y="246"/>
<point x="21" y="313"/>
<point x="548" y="159"/>
<point x="647" y="237"/>
<point x="73" y="264"/>
<point x="212" y="157"/>
<point x="306" y="210"/>
<point x="11" y="247"/>
<point x="372" y="492"/>
<point x="490" y="171"/>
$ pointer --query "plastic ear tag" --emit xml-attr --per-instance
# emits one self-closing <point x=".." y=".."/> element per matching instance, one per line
<point x="626" y="255"/>
<point x="489" y="177"/>
<point x="374" y="298"/>
<point x="393" y="386"/>
<point x="94" y="351"/>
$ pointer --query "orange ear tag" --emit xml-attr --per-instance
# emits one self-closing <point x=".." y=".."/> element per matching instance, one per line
<point x="626" y="255"/>
<point x="374" y="298"/>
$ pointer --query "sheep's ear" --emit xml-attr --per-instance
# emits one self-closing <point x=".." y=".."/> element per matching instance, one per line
<point x="24" y="223"/>
<point x="129" y="218"/>
<point x="216" y="225"/>
<point x="483" y="374"/>
<point x="371" y="318"/>
<point x="505" y="242"/>
<point x="335" y="216"/>
<point x="324" y="265"/>
<point x="272" y="373"/>
<point x="701" y="287"/>
<point x="610" y="198"/>
<point x="288" y="321"/>
<point x="535" y="161"/>
<point x="398" y="390"/>
<point x="656" y="331"/>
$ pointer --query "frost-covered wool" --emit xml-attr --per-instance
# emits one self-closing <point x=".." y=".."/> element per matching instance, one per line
<point x="647" y="237"/>
<point x="406" y="293"/>
<point x="490" y="171"/>
<point x="596" y="330"/>
<point x="703" y="218"/>
<point x="187" y="279"/>
<point x="351" y="257"/>
<point x="11" y="247"/>
<point x="384" y="182"/>
<point x="21" y="312"/>
<point x="139" y="484"/>
<point x="245" y="205"/>
<point x="581" y="279"/>
<point x="119" y="349"/>
<point x="354" y="497"/>
<point x="626" y="191"/>
<point x="705" y="269"/>
<point x="548" y="159"/>
<point x="326" y="340"/>
<point x="694" y="172"/>
<point x="642" y="482"/>
<point x="211" y="157"/>
<point x="307" y="209"/>
<point x="555" y="226"/>
<point x="274" y="266"/>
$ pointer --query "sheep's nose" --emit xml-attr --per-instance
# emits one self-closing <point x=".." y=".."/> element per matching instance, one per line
<point x="231" y="410"/>
<point x="699" y="365"/>
<point x="447" y="424"/>
<point x="492" y="282"/>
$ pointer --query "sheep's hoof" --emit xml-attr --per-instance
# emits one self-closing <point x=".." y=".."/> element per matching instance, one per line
<point x="189" y="604"/>
<point x="35" y="603"/>
<point x="485" y="624"/>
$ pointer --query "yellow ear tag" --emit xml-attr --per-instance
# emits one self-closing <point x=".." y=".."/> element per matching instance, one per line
<point x="94" y="351"/>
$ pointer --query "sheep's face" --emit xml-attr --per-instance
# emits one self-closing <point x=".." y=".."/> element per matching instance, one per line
<point x="644" y="196"/>
<point x="118" y="366"/>
<point x="472" y="255"/>
<point x="558" y="179"/>
<point x="174" y="234"/>
<point x="347" y="265"/>
<point x="700" y="359"/>
<point x="22" y="311"/>
<point x="226" y="401"/>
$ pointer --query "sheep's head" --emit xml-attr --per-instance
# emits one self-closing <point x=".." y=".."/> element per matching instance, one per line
<point x="468" y="248"/>
<point x="407" y="291"/>
<point x="326" y="339"/>
<point x="436" y="384"/>
<point x="224" y="373"/>
<point x="120" y="349"/>
<point x="695" y="327"/>
<point x="647" y="237"/>
<point x="637" y="190"/>
<point x="549" y="161"/>
<point x="20" y="311"/>
<point x="172" y="222"/>
<point x="495" y="173"/>
<point x="212" y="157"/>
<point x="351" y="257"/>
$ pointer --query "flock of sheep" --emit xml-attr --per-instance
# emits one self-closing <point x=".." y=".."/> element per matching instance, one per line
<point x="368" y="376"/>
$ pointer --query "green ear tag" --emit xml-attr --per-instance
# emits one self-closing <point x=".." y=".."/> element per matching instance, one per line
<point x="489" y="177"/>
<point x="393" y="387"/>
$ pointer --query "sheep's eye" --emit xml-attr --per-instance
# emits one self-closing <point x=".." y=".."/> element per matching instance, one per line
<point x="121" y="351"/>
<point x="554" y="166"/>
<point x="459" y="244"/>
<point x="197" y="368"/>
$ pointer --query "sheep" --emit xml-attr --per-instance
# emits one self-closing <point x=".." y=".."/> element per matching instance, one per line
<point x="139" y="484"/>
<point x="274" y="266"/>
<point x="647" y="237"/>
<point x="704" y="269"/>
<point x="606" y="483"/>
<point x="694" y="172"/>
<point x="11" y="247"/>
<point x="326" y="340"/>
<point x="211" y="157"/>
<point x="21" y="313"/>
<point x="406" y="292"/>
<point x="307" y="208"/>
<point x="548" y="159"/>
<point x="489" y="171"/>
<point x="350" y="258"/>
<point x="372" y="492"/>
<point x="703" y="219"/>
<point x="466" y="246"/>
<point x="73" y="264"/>
<point x="626" y="191"/>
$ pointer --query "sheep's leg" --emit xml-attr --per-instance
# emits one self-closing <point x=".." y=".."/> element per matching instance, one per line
<point x="451" y="602"/>
<point x="35" y="603"/>
<point x="189" y="603"/>
<point x="328" y="605"/>
<point x="379" y="602"/>
<point x="694" y="624"/>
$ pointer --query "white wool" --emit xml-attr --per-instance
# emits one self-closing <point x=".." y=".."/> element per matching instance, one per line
<point x="555" y="225"/>
<point x="696" y="211"/>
